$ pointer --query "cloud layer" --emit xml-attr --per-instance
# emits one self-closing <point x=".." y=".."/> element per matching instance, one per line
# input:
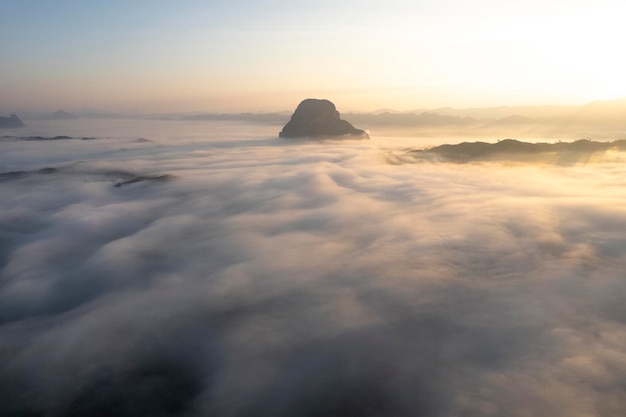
<point x="268" y="277"/>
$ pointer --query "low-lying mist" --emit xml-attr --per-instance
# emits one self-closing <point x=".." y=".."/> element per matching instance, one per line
<point x="243" y="275"/>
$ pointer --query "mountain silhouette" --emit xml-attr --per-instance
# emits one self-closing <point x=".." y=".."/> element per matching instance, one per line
<point x="11" y="122"/>
<point x="315" y="118"/>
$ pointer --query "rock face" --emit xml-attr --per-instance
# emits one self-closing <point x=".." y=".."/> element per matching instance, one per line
<point x="11" y="121"/>
<point x="315" y="118"/>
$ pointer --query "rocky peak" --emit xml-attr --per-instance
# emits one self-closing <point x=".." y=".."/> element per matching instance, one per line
<point x="10" y="122"/>
<point x="315" y="118"/>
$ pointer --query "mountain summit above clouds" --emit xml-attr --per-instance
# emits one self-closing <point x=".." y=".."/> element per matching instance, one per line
<point x="11" y="121"/>
<point x="318" y="118"/>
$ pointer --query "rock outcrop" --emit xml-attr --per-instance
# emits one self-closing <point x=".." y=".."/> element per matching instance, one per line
<point x="515" y="150"/>
<point x="11" y="122"/>
<point x="318" y="118"/>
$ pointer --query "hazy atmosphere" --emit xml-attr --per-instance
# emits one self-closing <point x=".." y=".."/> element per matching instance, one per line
<point x="312" y="209"/>
<point x="160" y="56"/>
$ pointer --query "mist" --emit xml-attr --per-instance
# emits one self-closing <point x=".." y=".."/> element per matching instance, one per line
<point x="177" y="268"/>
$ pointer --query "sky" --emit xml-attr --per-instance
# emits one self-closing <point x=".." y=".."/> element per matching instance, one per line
<point x="185" y="56"/>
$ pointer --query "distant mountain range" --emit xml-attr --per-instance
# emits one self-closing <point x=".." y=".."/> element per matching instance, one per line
<point x="590" y="118"/>
<point x="593" y="119"/>
<point x="599" y="118"/>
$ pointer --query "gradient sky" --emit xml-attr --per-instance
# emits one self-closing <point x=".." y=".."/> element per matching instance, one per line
<point x="180" y="56"/>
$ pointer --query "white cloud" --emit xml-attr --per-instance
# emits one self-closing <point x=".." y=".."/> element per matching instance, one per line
<point x="291" y="278"/>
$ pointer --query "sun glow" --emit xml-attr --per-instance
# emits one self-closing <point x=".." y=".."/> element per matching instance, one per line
<point x="564" y="56"/>
<point x="402" y="55"/>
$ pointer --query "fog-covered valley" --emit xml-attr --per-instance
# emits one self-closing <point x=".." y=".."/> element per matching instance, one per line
<point x="190" y="268"/>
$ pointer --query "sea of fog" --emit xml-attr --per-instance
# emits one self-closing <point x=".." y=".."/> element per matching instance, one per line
<point x="172" y="268"/>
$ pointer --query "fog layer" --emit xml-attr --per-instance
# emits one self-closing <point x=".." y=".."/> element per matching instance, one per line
<point x="243" y="275"/>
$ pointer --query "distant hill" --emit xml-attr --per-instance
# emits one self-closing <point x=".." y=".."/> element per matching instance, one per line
<point x="515" y="120"/>
<point x="507" y="111"/>
<point x="426" y="119"/>
<point x="515" y="150"/>
<point x="611" y="113"/>
<point x="11" y="122"/>
<point x="278" y="117"/>
<point x="62" y="115"/>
